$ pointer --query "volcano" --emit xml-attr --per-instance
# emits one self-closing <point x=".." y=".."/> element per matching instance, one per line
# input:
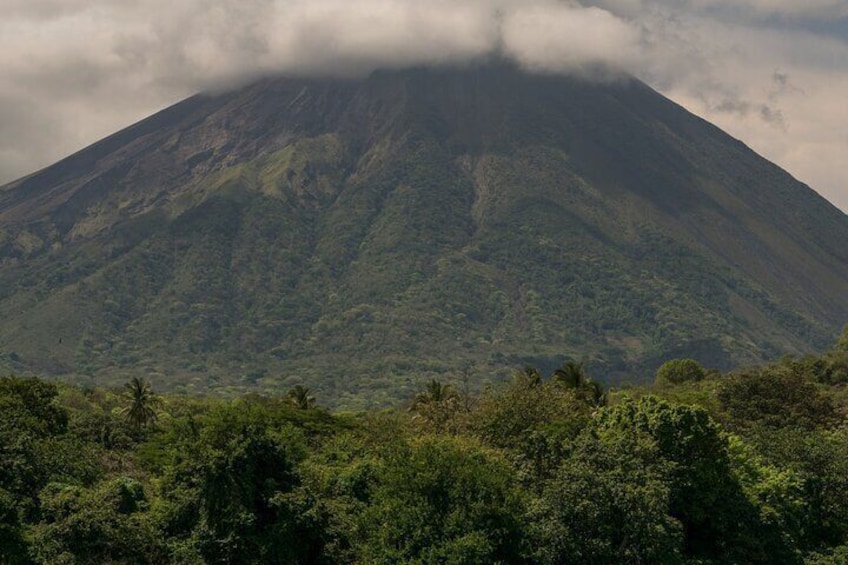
<point x="362" y="235"/>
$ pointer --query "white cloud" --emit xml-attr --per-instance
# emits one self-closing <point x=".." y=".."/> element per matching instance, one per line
<point x="556" y="37"/>
<point x="72" y="71"/>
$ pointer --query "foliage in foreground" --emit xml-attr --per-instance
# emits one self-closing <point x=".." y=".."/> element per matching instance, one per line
<point x="701" y="468"/>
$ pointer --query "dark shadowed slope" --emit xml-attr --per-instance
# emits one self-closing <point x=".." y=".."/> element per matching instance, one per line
<point x="361" y="235"/>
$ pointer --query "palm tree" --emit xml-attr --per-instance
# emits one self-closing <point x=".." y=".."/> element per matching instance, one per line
<point x="571" y="374"/>
<point x="528" y="377"/>
<point x="299" y="396"/>
<point x="594" y="394"/>
<point x="139" y="411"/>
<point x="437" y="407"/>
<point x="434" y="392"/>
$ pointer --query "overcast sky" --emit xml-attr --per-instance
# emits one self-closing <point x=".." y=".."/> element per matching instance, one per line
<point x="773" y="73"/>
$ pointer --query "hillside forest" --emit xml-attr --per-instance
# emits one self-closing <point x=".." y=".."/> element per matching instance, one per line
<point x="699" y="467"/>
<point x="358" y="237"/>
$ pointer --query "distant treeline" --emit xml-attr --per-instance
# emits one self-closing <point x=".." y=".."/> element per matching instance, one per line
<point x="700" y="467"/>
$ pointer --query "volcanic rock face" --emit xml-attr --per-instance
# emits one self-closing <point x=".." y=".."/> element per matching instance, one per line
<point x="358" y="235"/>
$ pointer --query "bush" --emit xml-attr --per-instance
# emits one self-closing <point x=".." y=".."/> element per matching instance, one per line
<point x="679" y="371"/>
<point x="776" y="397"/>
<point x="441" y="500"/>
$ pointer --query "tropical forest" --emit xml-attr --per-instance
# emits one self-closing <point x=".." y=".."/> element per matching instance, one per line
<point x="698" y="467"/>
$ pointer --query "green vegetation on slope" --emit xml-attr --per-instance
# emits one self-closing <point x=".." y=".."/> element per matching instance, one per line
<point x="365" y="236"/>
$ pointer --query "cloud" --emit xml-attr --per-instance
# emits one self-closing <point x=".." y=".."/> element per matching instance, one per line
<point x="790" y="9"/>
<point x="76" y="70"/>
<point x="556" y="37"/>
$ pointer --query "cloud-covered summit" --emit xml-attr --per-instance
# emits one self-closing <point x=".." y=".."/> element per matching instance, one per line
<point x="772" y="72"/>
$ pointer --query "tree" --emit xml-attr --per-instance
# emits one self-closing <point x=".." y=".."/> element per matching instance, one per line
<point x="573" y="376"/>
<point x="32" y="426"/>
<point x="434" y="392"/>
<point x="836" y="368"/>
<point x="12" y="544"/>
<point x="231" y="489"/>
<point x="437" y="406"/>
<point x="299" y="396"/>
<point x="31" y="404"/>
<point x="842" y="344"/>
<point x="780" y="396"/>
<point x="536" y="422"/>
<point x="139" y="411"/>
<point x="608" y="503"/>
<point x="508" y="416"/>
<point x="778" y="495"/>
<point x="679" y="371"/>
<point x="835" y="556"/>
<point x="528" y="377"/>
<point x="819" y="458"/>
<point x="836" y="362"/>
<point x="718" y="521"/>
<point x="441" y="500"/>
<point x="106" y="523"/>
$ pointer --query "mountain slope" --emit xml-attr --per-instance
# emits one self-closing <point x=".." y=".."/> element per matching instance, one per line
<point x="361" y="235"/>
